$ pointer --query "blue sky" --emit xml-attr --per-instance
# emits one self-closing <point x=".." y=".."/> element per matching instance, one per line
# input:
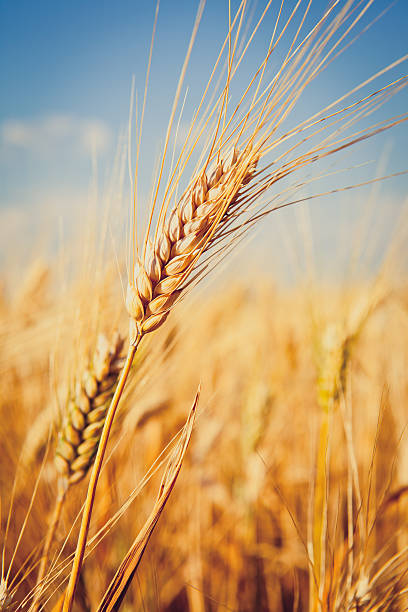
<point x="66" y="70"/>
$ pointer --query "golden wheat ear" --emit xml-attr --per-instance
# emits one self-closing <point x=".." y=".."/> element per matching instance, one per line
<point x="79" y="436"/>
<point x="159" y="281"/>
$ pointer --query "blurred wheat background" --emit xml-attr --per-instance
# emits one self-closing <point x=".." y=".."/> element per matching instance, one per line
<point x="293" y="490"/>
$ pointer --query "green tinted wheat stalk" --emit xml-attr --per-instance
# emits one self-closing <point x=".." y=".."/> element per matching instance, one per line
<point x="334" y="353"/>
<point x="330" y="367"/>
<point x="333" y="359"/>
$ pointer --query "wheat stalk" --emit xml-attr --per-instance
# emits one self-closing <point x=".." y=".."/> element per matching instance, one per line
<point x="334" y="353"/>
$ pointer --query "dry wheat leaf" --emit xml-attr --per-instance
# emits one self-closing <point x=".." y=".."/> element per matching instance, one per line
<point x="123" y="577"/>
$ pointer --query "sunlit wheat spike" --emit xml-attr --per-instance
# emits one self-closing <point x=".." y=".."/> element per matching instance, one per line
<point x="159" y="281"/>
<point x="79" y="436"/>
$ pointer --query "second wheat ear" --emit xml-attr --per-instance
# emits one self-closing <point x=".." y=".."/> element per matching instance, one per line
<point x="80" y="434"/>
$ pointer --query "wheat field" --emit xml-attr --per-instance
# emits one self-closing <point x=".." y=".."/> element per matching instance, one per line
<point x="177" y="434"/>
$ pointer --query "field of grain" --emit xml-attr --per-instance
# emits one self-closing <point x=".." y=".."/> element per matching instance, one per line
<point x="180" y="435"/>
<point x="294" y="479"/>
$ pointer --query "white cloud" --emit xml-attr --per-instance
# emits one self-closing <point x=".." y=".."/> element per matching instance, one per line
<point x="46" y="135"/>
<point x="53" y="218"/>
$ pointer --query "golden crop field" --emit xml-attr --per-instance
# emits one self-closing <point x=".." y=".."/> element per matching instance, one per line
<point x="176" y="436"/>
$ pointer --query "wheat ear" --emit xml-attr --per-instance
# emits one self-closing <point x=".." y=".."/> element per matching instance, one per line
<point x="79" y="435"/>
<point x="159" y="281"/>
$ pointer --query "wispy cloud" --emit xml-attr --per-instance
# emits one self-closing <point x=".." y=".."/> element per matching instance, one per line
<point x="46" y="135"/>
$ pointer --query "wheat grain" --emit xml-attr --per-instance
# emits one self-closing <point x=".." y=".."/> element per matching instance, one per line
<point x="79" y="436"/>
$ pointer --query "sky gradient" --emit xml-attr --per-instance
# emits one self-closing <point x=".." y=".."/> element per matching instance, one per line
<point x="66" y="70"/>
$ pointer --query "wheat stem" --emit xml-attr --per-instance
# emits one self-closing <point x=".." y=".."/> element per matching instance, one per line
<point x="96" y="468"/>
